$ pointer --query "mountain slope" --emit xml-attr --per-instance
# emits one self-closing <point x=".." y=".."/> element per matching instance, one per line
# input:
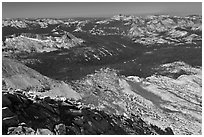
<point x="160" y="100"/>
<point x="18" y="76"/>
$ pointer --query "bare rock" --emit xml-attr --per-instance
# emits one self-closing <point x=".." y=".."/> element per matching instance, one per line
<point x="20" y="130"/>
<point x="60" y="129"/>
<point x="43" y="132"/>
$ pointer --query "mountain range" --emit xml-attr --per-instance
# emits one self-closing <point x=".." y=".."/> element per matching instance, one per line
<point x="119" y="75"/>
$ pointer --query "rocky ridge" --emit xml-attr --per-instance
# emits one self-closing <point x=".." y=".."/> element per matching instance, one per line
<point x="166" y="29"/>
<point x="37" y="43"/>
<point x="25" y="114"/>
<point x="161" y="100"/>
<point x="148" y="30"/>
<point x="25" y="23"/>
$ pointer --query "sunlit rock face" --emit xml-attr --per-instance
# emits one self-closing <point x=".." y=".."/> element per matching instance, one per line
<point x="178" y="97"/>
<point x="165" y="101"/>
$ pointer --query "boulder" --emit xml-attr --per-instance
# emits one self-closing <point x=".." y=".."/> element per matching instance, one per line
<point x="134" y="78"/>
<point x="41" y="131"/>
<point x="60" y="129"/>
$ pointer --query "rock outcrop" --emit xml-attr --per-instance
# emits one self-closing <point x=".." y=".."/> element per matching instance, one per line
<point x="24" y="114"/>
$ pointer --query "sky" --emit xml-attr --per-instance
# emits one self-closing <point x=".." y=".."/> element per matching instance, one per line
<point x="96" y="9"/>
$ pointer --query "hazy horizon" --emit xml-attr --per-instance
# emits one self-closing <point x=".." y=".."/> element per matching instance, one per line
<point x="96" y="9"/>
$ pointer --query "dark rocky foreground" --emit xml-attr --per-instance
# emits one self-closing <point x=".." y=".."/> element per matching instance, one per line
<point x="26" y="114"/>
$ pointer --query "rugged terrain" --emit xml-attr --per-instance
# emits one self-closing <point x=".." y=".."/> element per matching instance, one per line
<point x="29" y="112"/>
<point x="146" y="30"/>
<point x="25" y="114"/>
<point x="131" y="44"/>
<point x="161" y="100"/>
<point x="120" y="75"/>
